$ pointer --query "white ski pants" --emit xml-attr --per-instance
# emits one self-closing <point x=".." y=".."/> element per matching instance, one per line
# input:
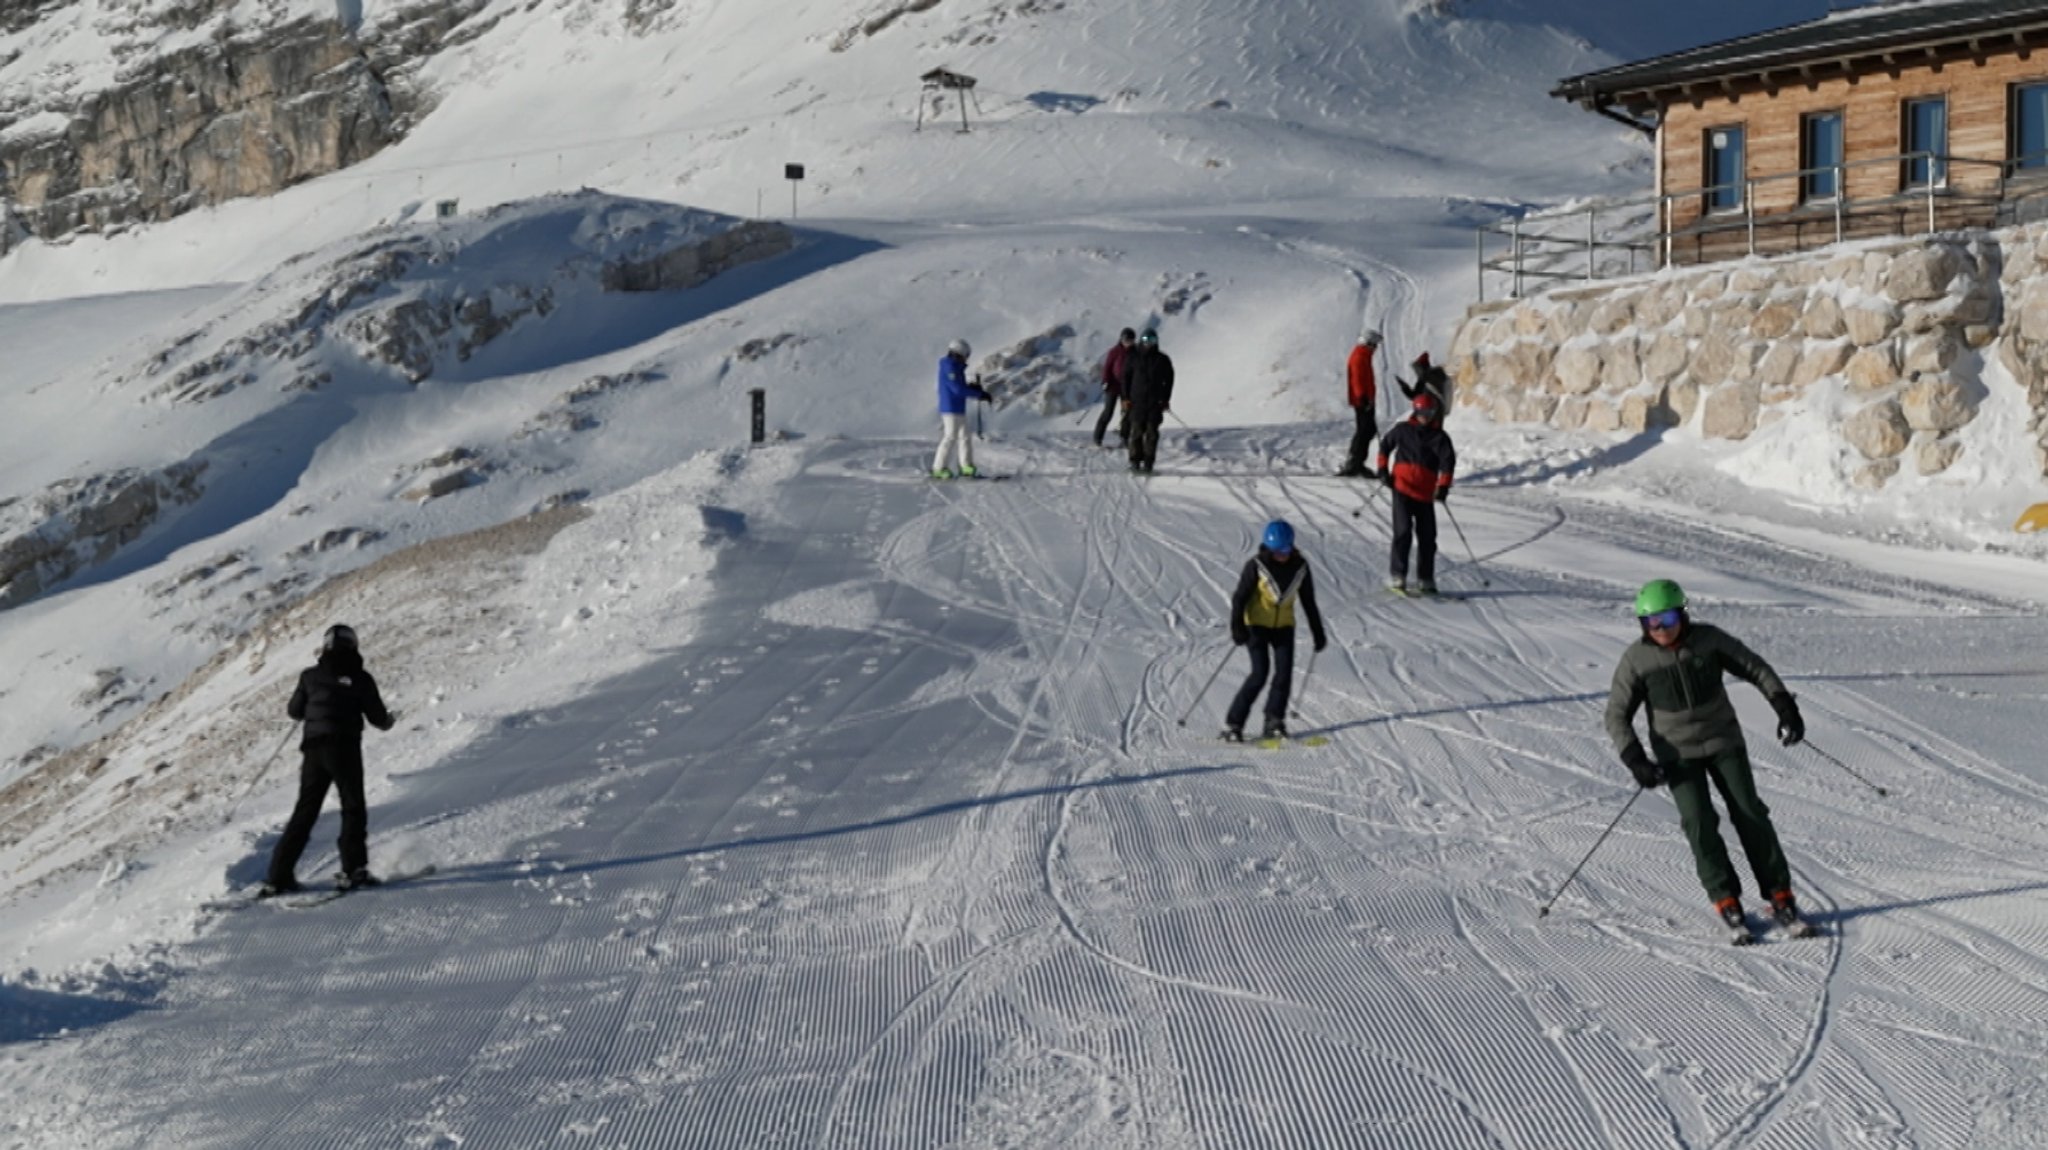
<point x="952" y="432"/>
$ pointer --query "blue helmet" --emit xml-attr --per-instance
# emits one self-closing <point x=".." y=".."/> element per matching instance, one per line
<point x="1279" y="536"/>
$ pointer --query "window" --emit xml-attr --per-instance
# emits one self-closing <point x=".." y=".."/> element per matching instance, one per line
<point x="1820" y="155"/>
<point x="1725" y="170"/>
<point x="1926" y="136"/>
<point x="2030" y="127"/>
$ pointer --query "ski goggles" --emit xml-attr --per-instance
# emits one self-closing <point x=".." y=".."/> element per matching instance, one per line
<point x="1663" y="620"/>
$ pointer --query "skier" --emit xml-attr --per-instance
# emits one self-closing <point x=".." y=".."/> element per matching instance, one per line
<point x="1115" y="366"/>
<point x="1262" y="619"/>
<point x="1430" y="379"/>
<point x="1676" y="669"/>
<point x="1148" y="396"/>
<point x="334" y="697"/>
<point x="1423" y="462"/>
<point x="1362" y="390"/>
<point x="954" y="392"/>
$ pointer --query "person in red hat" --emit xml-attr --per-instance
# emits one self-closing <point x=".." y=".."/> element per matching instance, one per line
<point x="1431" y="379"/>
<point x="1416" y="463"/>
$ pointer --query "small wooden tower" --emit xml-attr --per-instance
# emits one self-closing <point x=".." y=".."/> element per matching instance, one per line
<point x="939" y="79"/>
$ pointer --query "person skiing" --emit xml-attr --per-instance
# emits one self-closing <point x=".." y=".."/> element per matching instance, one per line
<point x="1430" y="379"/>
<point x="1675" y="669"/>
<point x="1423" y="461"/>
<point x="1115" y="366"/>
<point x="1262" y="621"/>
<point x="1148" y="396"/>
<point x="1362" y="391"/>
<point x="954" y="392"/>
<point x="334" y="698"/>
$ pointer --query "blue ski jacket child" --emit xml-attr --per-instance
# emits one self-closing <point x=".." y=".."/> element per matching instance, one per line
<point x="954" y="390"/>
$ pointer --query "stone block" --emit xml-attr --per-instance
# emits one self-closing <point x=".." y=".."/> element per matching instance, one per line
<point x="1776" y="368"/>
<point x="1875" y="474"/>
<point x="1666" y="356"/>
<point x="1934" y="352"/>
<point x="1879" y="431"/>
<point x="1730" y="411"/>
<point x="1820" y="361"/>
<point x="1922" y="273"/>
<point x="1621" y="365"/>
<point x="1870" y="323"/>
<point x="1775" y="320"/>
<point x="1578" y="369"/>
<point x="1873" y="368"/>
<point x="1937" y="403"/>
<point x="1823" y="319"/>
<point x="1935" y="455"/>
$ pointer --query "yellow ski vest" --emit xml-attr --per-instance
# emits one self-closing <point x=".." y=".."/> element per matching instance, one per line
<point x="1273" y="606"/>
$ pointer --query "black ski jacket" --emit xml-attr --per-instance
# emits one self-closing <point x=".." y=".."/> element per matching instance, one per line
<point x="335" y="695"/>
<point x="1148" y="378"/>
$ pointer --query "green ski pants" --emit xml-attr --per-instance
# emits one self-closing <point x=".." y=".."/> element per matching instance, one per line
<point x="1731" y="775"/>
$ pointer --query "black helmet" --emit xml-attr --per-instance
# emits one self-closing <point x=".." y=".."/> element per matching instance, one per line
<point x="1150" y="338"/>
<point x="1127" y="336"/>
<point x="341" y="636"/>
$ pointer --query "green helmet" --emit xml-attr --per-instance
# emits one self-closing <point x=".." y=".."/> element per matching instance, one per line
<point x="1659" y="595"/>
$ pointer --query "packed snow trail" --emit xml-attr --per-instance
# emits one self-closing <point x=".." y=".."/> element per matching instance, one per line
<point x="906" y="849"/>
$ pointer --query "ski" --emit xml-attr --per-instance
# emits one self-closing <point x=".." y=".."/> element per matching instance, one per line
<point x="1276" y="744"/>
<point x="305" y="901"/>
<point x="1446" y="596"/>
<point x="1741" y="936"/>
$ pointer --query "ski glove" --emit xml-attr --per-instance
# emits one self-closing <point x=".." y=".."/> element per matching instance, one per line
<point x="1791" y="728"/>
<point x="979" y="394"/>
<point x="1648" y="774"/>
<point x="1386" y="478"/>
<point x="1240" y="636"/>
<point x="1321" y="642"/>
<point x="1443" y="495"/>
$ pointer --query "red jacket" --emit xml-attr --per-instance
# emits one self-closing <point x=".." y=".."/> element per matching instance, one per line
<point x="1116" y="367"/>
<point x="1424" y="459"/>
<point x="1364" y="388"/>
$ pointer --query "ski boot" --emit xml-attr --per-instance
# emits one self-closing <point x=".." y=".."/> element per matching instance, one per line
<point x="357" y="879"/>
<point x="273" y="889"/>
<point x="941" y="473"/>
<point x="1398" y="586"/>
<point x="970" y="472"/>
<point x="1232" y="735"/>
<point x="1275" y="729"/>
<point x="1785" y="912"/>
<point x="1730" y="910"/>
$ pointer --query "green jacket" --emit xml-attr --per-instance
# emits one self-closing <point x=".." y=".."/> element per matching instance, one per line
<point x="1691" y="716"/>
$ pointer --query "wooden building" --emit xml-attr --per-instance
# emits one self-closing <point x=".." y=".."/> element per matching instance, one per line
<point x="1893" y="119"/>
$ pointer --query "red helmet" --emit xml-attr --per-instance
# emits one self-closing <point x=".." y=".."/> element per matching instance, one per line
<point x="1426" y="406"/>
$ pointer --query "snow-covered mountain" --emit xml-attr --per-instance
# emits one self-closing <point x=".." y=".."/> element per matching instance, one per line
<point x="779" y="795"/>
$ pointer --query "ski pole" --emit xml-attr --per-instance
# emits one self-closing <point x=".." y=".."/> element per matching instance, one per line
<point x="1305" y="676"/>
<point x="264" y="770"/>
<point x="1205" y="688"/>
<point x="1483" y="580"/>
<point x="1882" y="793"/>
<point x="977" y="418"/>
<point x="1589" y="854"/>
<point x="1371" y="495"/>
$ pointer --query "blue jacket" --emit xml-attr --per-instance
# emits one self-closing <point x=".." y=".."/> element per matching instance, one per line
<point x="954" y="390"/>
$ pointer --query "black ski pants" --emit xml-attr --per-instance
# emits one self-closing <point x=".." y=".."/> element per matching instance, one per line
<point x="1414" y="521"/>
<point x="1362" y="440"/>
<point x="1272" y="652"/>
<point x="337" y="764"/>
<point x="1111" y="404"/>
<point x="1145" y="420"/>
<point x="1729" y="772"/>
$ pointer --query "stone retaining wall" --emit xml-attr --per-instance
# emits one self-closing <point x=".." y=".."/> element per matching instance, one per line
<point x="1904" y="329"/>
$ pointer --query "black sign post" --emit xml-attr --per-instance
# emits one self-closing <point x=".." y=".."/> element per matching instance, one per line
<point x="794" y="173"/>
<point x="760" y="400"/>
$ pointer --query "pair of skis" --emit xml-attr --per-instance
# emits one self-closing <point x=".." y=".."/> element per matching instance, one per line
<point x="310" y="897"/>
<point x="1746" y="935"/>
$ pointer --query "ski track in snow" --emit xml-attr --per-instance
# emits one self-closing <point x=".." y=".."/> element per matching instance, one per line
<point x="908" y="849"/>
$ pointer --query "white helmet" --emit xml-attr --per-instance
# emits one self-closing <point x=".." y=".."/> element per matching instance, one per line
<point x="1369" y="337"/>
<point x="959" y="347"/>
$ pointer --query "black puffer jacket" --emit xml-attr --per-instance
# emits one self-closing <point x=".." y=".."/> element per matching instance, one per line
<point x="334" y="697"/>
<point x="1148" y="379"/>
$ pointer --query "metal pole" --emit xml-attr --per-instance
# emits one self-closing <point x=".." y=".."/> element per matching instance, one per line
<point x="1305" y="676"/>
<point x="1841" y="195"/>
<point x="267" y="764"/>
<point x="1478" y="244"/>
<point x="1483" y="580"/>
<point x="1592" y="241"/>
<point x="1882" y="793"/>
<point x="1205" y="686"/>
<point x="1515" y="235"/>
<point x="1930" y="196"/>
<point x="1589" y="854"/>
<point x="1749" y="211"/>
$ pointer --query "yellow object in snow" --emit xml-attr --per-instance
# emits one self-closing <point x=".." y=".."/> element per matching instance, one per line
<point x="2033" y="519"/>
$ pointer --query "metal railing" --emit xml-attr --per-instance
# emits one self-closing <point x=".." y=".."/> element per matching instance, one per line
<point x="1569" y="244"/>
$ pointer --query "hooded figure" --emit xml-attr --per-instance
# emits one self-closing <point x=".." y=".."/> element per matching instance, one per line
<point x="335" y="697"/>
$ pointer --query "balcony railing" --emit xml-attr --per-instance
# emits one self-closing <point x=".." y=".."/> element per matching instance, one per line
<point x="1622" y="237"/>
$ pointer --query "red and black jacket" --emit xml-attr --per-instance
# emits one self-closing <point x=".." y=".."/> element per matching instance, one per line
<point x="1423" y="458"/>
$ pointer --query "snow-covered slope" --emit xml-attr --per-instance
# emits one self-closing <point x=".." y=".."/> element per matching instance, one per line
<point x="781" y="796"/>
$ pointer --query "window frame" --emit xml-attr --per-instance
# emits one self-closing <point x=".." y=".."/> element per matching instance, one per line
<point x="1937" y="167"/>
<point x="1736" y="192"/>
<point x="1811" y="172"/>
<point x="2037" y="165"/>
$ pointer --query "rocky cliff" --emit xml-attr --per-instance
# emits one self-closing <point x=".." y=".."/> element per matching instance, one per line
<point x="233" y="110"/>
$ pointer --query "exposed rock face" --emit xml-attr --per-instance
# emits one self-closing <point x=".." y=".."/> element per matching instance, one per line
<point x="1897" y="334"/>
<point x="247" y="112"/>
<point x="79" y="522"/>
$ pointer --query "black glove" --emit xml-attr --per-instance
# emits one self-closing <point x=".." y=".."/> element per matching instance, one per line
<point x="1240" y="636"/>
<point x="1386" y="478"/>
<point x="1791" y="728"/>
<point x="1443" y="495"/>
<point x="1639" y="763"/>
<point x="979" y="394"/>
<point x="1321" y="642"/>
